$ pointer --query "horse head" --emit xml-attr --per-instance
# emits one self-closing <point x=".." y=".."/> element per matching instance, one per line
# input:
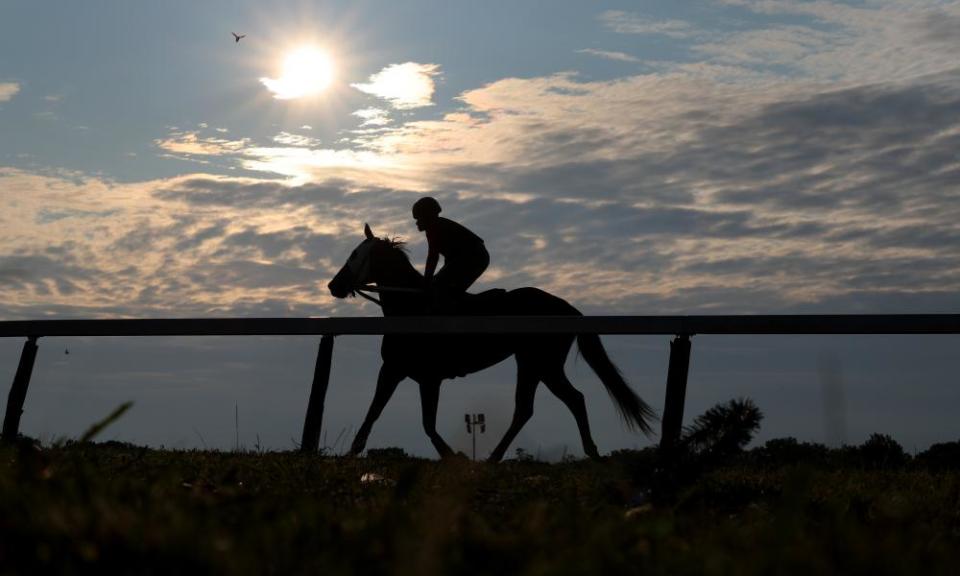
<point x="358" y="269"/>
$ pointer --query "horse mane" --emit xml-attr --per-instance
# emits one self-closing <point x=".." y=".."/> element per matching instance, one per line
<point x="394" y="265"/>
<point x="397" y="245"/>
<point x="397" y="249"/>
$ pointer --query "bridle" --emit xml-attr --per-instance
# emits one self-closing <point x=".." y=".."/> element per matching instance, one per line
<point x="364" y="289"/>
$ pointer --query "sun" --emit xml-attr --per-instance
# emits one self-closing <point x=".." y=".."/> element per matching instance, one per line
<point x="306" y="71"/>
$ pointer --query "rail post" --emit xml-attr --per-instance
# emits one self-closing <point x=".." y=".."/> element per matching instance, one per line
<point x="672" y="423"/>
<point x="18" y="391"/>
<point x="310" y="441"/>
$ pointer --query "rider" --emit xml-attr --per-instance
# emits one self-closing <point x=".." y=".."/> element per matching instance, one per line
<point x="464" y="255"/>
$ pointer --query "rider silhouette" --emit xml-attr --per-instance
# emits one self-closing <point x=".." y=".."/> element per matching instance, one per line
<point x="464" y="255"/>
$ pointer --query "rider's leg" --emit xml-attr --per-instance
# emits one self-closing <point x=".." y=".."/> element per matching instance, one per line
<point x="456" y="276"/>
<point x="466" y="270"/>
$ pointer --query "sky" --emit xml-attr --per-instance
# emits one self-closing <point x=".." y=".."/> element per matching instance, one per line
<point x="634" y="158"/>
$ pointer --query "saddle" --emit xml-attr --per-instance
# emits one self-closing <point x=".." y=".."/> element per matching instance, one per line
<point x="486" y="303"/>
<point x="482" y="303"/>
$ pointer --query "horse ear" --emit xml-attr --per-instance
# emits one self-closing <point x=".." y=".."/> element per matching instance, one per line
<point x="367" y="232"/>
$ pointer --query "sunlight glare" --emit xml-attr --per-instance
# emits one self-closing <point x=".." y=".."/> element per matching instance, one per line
<point x="306" y="71"/>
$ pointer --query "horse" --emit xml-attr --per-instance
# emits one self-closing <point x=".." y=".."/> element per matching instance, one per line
<point x="430" y="359"/>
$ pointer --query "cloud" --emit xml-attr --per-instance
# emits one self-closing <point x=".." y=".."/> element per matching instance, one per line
<point x="405" y="86"/>
<point x="609" y="55"/>
<point x="940" y="26"/>
<point x="867" y="42"/>
<point x="184" y="246"/>
<point x="191" y="143"/>
<point x="720" y="185"/>
<point x="290" y="139"/>
<point x="857" y="173"/>
<point x="645" y="181"/>
<point x="373" y="116"/>
<point x="298" y="158"/>
<point x="630" y="23"/>
<point x="8" y="90"/>
<point x="630" y="195"/>
<point x="771" y="46"/>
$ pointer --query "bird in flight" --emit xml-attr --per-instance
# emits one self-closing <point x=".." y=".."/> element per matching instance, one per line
<point x="237" y="37"/>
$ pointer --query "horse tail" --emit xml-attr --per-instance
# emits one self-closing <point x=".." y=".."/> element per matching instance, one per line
<point x="633" y="410"/>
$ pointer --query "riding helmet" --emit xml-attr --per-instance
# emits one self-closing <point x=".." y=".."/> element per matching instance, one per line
<point x="426" y="206"/>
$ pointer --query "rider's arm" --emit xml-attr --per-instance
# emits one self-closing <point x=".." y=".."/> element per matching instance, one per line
<point x="433" y="256"/>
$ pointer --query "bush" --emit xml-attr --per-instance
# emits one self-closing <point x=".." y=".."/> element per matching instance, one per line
<point x="391" y="453"/>
<point x="523" y="456"/>
<point x="943" y="456"/>
<point x="788" y="451"/>
<point x="879" y="452"/>
<point x="723" y="430"/>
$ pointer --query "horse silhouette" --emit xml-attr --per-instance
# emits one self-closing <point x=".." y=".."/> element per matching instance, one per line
<point x="430" y="359"/>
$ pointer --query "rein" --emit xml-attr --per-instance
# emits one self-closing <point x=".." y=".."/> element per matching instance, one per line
<point x="362" y="290"/>
<point x="374" y="299"/>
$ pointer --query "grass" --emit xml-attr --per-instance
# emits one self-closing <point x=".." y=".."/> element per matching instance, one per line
<point x="117" y="508"/>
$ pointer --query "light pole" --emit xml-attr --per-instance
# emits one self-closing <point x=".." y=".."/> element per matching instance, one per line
<point x="473" y="422"/>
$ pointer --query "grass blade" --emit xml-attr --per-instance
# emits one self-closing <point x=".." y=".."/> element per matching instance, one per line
<point x="112" y="417"/>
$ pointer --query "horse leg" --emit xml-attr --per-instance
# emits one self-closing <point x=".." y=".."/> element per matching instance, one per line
<point x="387" y="383"/>
<point x="429" y="399"/>
<point x="558" y="383"/>
<point x="526" y="391"/>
